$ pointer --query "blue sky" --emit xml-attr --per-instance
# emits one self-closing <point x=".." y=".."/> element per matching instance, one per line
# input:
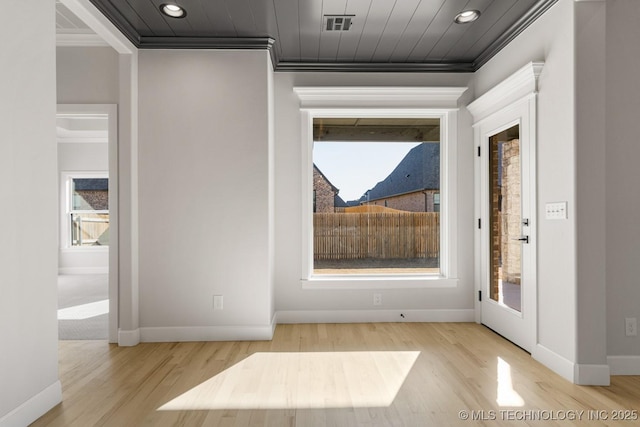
<point x="355" y="167"/>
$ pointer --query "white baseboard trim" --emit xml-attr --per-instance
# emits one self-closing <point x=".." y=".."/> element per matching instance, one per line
<point x="555" y="362"/>
<point x="591" y="374"/>
<point x="34" y="408"/>
<point x="128" y="338"/>
<point x="368" y="316"/>
<point x="83" y="270"/>
<point x="207" y="333"/>
<point x="624" y="365"/>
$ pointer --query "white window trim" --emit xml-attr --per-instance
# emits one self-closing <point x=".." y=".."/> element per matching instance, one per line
<point x="382" y="102"/>
<point x="65" y="210"/>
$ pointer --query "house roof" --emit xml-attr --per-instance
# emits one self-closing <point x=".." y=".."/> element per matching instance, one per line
<point x="91" y="184"/>
<point x="418" y="170"/>
<point x="333" y="187"/>
<point x="338" y="202"/>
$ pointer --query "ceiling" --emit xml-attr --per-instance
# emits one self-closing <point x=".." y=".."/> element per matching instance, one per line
<point x="385" y="35"/>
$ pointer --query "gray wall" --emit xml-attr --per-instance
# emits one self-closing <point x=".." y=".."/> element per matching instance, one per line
<point x="204" y="190"/>
<point x="622" y="173"/>
<point x="87" y="75"/>
<point x="28" y="176"/>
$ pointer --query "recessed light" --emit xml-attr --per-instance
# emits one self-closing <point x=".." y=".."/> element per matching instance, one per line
<point x="173" y="10"/>
<point x="467" y="16"/>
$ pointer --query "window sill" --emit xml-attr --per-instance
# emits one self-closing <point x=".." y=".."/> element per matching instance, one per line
<point x="334" y="282"/>
<point x="86" y="249"/>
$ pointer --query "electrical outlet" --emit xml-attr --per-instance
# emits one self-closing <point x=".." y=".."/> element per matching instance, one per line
<point x="217" y="302"/>
<point x="377" y="299"/>
<point x="630" y="326"/>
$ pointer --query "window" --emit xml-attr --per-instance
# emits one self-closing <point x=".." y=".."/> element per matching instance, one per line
<point x="383" y="103"/>
<point x="87" y="215"/>
<point x="376" y="179"/>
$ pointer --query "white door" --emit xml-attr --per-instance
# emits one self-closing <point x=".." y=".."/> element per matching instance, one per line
<point x="507" y="225"/>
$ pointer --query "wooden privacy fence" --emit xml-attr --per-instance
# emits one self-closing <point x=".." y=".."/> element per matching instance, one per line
<point x="376" y="235"/>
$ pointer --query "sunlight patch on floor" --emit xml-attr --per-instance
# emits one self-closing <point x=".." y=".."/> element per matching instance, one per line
<point x="303" y="380"/>
<point x="84" y="311"/>
<point x="507" y="396"/>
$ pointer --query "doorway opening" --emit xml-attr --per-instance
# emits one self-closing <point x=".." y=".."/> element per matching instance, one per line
<point x="87" y="294"/>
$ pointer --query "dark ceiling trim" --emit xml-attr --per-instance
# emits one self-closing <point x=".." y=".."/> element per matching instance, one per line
<point x="373" y="67"/>
<point x="245" y="43"/>
<point x="513" y="31"/>
<point x="206" y="43"/>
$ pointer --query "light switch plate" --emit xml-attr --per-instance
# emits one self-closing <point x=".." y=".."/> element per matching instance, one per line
<point x="556" y="210"/>
<point x="218" y="302"/>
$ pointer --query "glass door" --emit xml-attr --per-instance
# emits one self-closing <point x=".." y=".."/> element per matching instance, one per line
<point x="508" y="280"/>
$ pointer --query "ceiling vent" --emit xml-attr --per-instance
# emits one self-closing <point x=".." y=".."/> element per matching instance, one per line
<point x="337" y="22"/>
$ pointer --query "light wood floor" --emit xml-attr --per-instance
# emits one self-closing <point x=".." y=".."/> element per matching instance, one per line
<point x="457" y="367"/>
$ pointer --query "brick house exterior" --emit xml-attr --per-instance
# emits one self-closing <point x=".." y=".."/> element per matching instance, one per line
<point x="324" y="193"/>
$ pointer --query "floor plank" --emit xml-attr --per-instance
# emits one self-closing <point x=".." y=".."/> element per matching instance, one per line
<point x="460" y="367"/>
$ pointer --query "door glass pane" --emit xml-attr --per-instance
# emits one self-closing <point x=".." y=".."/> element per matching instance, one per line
<point x="506" y="218"/>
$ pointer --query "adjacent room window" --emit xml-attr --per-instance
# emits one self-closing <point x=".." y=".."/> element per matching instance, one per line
<point x="88" y="210"/>
<point x="376" y="196"/>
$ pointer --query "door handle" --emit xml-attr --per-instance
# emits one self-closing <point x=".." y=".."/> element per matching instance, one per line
<point x="524" y="239"/>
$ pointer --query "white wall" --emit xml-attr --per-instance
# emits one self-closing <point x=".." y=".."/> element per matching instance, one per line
<point x="622" y="175"/>
<point x="550" y="39"/>
<point x="87" y="75"/>
<point x="29" y="383"/>
<point x="591" y="340"/>
<point x="82" y="157"/>
<point x="204" y="177"/>
<point x="311" y="304"/>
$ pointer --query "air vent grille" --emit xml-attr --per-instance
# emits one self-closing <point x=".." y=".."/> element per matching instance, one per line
<point x="338" y="22"/>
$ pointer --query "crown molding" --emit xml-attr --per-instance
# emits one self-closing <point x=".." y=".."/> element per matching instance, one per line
<point x="206" y="43"/>
<point x="522" y="83"/>
<point x="351" y="97"/>
<point x="386" y="67"/>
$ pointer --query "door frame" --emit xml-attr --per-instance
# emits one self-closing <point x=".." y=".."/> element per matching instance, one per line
<point x="111" y="111"/>
<point x="513" y="101"/>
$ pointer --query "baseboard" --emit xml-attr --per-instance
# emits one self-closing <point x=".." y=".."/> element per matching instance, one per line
<point x="624" y="365"/>
<point x="558" y="364"/>
<point x="368" y="316"/>
<point x="83" y="270"/>
<point x="34" y="408"/>
<point x="207" y="333"/>
<point x="128" y="338"/>
<point x="591" y="374"/>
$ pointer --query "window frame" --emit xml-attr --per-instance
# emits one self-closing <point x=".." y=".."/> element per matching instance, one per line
<point x="66" y="204"/>
<point x="440" y="103"/>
